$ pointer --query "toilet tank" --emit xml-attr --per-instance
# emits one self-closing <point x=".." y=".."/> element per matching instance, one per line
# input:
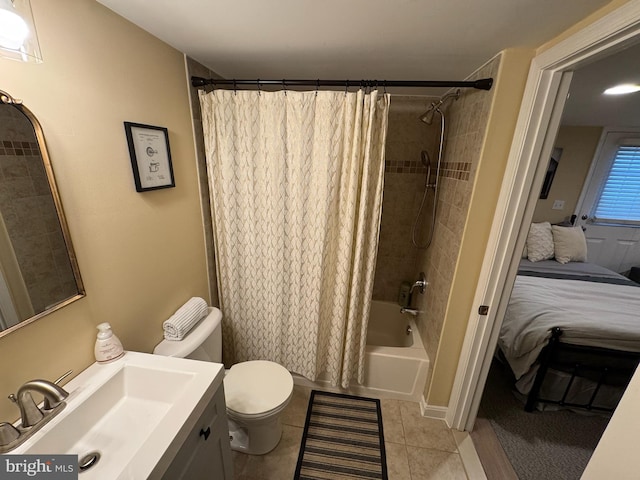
<point x="203" y="342"/>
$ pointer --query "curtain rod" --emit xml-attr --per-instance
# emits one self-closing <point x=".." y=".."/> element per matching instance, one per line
<point x="482" y="84"/>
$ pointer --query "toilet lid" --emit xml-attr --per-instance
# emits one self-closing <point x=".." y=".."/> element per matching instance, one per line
<point x="257" y="386"/>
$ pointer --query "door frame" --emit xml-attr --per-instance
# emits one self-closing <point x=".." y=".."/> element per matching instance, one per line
<point x="536" y="129"/>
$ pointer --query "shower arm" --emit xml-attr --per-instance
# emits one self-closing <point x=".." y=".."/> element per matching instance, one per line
<point x="427" y="117"/>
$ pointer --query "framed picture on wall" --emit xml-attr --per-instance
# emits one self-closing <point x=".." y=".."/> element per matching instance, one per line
<point x="150" y="156"/>
<point x="551" y="172"/>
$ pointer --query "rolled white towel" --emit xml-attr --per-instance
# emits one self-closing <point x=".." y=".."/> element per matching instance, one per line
<point x="185" y="318"/>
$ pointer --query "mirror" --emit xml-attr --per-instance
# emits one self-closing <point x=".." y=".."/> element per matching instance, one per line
<point x="38" y="269"/>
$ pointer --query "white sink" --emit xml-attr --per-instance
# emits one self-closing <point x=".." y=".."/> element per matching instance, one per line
<point x="128" y="411"/>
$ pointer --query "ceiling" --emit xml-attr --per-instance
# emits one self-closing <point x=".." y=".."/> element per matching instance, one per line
<point x="385" y="40"/>
<point x="586" y="104"/>
<point x="351" y="39"/>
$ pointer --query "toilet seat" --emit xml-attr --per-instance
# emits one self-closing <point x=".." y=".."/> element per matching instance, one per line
<point x="257" y="388"/>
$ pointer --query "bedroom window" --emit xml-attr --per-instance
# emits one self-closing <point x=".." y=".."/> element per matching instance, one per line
<point x="612" y="195"/>
<point x="620" y="197"/>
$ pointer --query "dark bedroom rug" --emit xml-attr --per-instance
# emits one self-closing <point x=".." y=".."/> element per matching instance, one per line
<point x="342" y="439"/>
<point x="539" y="445"/>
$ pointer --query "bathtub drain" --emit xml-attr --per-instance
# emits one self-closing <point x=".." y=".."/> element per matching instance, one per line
<point x="88" y="461"/>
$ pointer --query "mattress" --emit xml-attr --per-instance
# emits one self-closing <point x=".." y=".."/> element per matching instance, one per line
<point x="592" y="305"/>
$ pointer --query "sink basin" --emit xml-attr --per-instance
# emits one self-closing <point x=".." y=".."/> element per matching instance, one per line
<point x="129" y="412"/>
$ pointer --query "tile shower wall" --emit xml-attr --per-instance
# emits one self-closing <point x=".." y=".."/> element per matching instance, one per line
<point x="404" y="182"/>
<point x="29" y="215"/>
<point x="466" y="128"/>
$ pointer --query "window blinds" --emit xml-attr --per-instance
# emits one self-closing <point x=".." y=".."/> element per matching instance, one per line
<point x="620" y="197"/>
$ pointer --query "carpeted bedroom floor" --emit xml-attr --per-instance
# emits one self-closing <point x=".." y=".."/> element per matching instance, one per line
<point x="539" y="445"/>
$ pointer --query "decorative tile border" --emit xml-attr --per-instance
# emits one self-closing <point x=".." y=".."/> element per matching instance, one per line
<point x="406" y="166"/>
<point x="9" y="147"/>
<point x="456" y="170"/>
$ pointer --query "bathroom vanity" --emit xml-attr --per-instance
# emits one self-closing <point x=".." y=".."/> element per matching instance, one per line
<point x="205" y="452"/>
<point x="142" y="416"/>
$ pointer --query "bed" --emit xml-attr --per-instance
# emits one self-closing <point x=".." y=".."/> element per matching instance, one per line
<point x="571" y="334"/>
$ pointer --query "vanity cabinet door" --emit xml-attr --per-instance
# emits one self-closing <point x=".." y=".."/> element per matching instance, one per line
<point x="206" y="453"/>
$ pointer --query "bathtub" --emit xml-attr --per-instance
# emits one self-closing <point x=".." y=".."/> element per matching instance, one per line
<point x="396" y="363"/>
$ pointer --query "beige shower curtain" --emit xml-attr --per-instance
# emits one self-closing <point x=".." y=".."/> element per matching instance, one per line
<point x="296" y="194"/>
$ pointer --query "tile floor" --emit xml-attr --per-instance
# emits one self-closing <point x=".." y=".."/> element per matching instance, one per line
<point x="418" y="448"/>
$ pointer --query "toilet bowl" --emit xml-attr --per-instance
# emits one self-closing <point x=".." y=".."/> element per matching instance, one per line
<point x="256" y="391"/>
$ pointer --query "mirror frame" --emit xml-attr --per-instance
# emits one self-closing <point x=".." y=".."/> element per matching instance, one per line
<point x="7" y="99"/>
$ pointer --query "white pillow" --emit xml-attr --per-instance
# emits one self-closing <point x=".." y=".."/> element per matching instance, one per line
<point x="540" y="242"/>
<point x="570" y="244"/>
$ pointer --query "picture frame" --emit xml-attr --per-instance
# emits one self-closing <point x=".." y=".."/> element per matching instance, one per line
<point x="551" y="172"/>
<point x="150" y="156"/>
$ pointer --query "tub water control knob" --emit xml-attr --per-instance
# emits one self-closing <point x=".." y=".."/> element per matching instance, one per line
<point x="420" y="284"/>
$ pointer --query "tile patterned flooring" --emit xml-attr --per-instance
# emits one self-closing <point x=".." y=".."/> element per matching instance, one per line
<point x="418" y="448"/>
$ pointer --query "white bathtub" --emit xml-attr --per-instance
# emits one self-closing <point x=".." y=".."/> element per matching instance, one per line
<point x="391" y="370"/>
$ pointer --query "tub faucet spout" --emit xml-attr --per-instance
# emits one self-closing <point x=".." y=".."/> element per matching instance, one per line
<point x="410" y="311"/>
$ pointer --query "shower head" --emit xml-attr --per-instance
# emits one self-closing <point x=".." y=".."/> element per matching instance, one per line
<point x="427" y="117"/>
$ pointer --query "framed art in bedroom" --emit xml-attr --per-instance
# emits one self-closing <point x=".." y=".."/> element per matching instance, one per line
<point x="150" y="156"/>
<point x="551" y="172"/>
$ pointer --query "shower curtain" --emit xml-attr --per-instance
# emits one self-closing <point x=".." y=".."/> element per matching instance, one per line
<point x="296" y="195"/>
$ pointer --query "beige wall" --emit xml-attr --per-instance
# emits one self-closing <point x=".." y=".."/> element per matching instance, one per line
<point x="578" y="148"/>
<point x="507" y="96"/>
<point x="141" y="255"/>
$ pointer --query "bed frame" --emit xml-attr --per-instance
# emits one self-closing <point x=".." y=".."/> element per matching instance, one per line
<point x="603" y="366"/>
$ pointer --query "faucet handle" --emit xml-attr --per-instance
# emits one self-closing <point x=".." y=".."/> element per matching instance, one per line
<point x="420" y="284"/>
<point x="8" y="433"/>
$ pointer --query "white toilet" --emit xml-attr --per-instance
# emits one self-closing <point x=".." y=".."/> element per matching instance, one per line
<point x="256" y="392"/>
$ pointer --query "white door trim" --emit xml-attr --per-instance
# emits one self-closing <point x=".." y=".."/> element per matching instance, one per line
<point x="533" y="139"/>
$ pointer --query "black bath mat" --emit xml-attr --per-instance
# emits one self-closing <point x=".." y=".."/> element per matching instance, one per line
<point x="342" y="439"/>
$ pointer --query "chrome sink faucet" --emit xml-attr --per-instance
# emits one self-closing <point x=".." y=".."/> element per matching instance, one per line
<point x="53" y="394"/>
<point x="32" y="417"/>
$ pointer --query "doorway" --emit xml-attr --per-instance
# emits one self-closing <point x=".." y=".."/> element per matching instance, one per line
<point x="593" y="128"/>
<point x="538" y="123"/>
